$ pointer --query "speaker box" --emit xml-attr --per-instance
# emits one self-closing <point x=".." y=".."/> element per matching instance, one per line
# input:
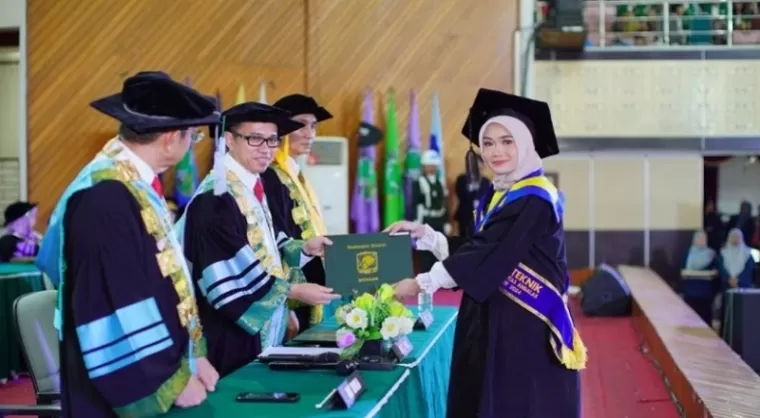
<point x="739" y="328"/>
<point x="605" y="294"/>
<point x="564" y="28"/>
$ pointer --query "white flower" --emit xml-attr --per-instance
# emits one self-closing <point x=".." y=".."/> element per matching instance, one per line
<point x="405" y="325"/>
<point x="357" y="318"/>
<point x="390" y="328"/>
<point x="340" y="315"/>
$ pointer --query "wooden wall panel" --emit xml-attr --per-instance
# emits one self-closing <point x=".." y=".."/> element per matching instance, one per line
<point x="331" y="49"/>
<point x="452" y="47"/>
<point x="83" y="50"/>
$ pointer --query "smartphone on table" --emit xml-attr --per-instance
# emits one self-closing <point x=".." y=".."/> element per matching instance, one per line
<point x="268" y="397"/>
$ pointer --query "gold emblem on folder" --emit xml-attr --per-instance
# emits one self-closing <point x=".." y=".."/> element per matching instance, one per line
<point x="366" y="262"/>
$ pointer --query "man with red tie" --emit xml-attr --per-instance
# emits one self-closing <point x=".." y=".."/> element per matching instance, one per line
<point x="131" y="340"/>
<point x="246" y="273"/>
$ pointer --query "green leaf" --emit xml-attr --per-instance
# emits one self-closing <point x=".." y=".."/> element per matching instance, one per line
<point x="351" y="351"/>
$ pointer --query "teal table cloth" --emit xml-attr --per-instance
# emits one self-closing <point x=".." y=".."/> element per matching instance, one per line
<point x="417" y="388"/>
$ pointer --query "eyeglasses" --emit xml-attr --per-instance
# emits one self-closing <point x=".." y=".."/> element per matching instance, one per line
<point x="257" y="140"/>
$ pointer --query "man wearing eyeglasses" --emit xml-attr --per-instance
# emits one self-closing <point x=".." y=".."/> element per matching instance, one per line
<point x="246" y="271"/>
<point x="131" y="341"/>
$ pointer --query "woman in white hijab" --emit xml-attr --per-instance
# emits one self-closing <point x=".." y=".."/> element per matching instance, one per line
<point x="736" y="263"/>
<point x="516" y="350"/>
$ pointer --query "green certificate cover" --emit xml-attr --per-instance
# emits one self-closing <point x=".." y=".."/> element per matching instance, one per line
<point x="362" y="262"/>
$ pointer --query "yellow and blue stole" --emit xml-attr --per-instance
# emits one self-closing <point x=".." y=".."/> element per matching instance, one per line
<point x="529" y="289"/>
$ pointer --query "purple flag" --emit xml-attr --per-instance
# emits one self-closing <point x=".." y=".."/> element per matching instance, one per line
<point x="412" y="165"/>
<point x="365" y="211"/>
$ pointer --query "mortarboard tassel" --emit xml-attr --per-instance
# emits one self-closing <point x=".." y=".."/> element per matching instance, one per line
<point x="471" y="159"/>
<point x="220" y="180"/>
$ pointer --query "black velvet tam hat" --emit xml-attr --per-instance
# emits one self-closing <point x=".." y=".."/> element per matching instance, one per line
<point x="369" y="135"/>
<point x="299" y="104"/>
<point x="151" y="101"/>
<point x="17" y="210"/>
<point x="259" y="112"/>
<point x="535" y="114"/>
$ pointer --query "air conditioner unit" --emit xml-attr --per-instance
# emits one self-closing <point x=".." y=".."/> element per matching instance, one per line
<point x="326" y="167"/>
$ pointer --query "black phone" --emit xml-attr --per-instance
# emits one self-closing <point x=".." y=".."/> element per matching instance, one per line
<point x="268" y="397"/>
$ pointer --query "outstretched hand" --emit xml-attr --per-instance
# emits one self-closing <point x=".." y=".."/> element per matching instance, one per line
<point x="415" y="229"/>
<point x="315" y="247"/>
<point x="407" y="288"/>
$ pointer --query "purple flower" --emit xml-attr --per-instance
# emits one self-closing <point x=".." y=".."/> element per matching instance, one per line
<point x="345" y="338"/>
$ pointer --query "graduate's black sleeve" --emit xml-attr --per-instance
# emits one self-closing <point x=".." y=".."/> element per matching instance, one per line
<point x="481" y="264"/>
<point x="125" y="312"/>
<point x="232" y="279"/>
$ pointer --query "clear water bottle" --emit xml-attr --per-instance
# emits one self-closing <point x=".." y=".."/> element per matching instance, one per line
<point x="425" y="302"/>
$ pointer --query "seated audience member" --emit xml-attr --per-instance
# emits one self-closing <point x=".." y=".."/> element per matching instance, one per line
<point x="736" y="264"/>
<point x="20" y="239"/>
<point x="697" y="293"/>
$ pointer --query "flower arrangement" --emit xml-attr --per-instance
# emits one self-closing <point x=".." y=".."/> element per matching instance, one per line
<point x="371" y="318"/>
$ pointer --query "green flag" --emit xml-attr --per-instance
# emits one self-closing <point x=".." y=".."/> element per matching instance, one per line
<point x="393" y="183"/>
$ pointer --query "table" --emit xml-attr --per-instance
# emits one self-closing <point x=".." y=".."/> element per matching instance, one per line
<point x="417" y="388"/>
<point x="16" y="279"/>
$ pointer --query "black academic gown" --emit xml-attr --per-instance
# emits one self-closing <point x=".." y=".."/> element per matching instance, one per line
<point x="467" y="198"/>
<point x="215" y="230"/>
<point x="281" y="206"/>
<point x="503" y="365"/>
<point x="111" y="265"/>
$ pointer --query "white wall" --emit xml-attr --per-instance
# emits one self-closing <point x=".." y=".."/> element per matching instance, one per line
<point x="12" y="13"/>
<point x="10" y="123"/>
<point x="738" y="180"/>
<point x="9" y="102"/>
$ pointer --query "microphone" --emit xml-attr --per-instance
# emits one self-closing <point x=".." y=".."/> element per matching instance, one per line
<point x="327" y="357"/>
<point x="343" y="368"/>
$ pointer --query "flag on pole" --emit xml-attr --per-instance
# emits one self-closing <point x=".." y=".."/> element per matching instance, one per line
<point x="393" y="187"/>
<point x="365" y="211"/>
<point x="185" y="175"/>
<point x="263" y="92"/>
<point x="412" y="160"/>
<point x="240" y="98"/>
<point x="436" y="135"/>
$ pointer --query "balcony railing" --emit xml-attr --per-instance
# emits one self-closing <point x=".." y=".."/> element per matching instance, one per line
<point x="621" y="23"/>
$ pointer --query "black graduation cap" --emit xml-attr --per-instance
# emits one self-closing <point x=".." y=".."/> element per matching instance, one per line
<point x="151" y="101"/>
<point x="259" y="112"/>
<point x="299" y="104"/>
<point x="535" y="114"/>
<point x="369" y="135"/>
<point x="17" y="210"/>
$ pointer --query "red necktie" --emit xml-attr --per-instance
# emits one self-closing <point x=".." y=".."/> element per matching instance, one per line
<point x="258" y="190"/>
<point x="157" y="186"/>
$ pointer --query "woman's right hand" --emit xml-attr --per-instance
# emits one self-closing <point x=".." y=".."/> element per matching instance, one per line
<point x="415" y="229"/>
<point x="312" y="294"/>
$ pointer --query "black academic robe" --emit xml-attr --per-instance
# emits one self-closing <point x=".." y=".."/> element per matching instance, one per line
<point x="112" y="279"/>
<point x="281" y="206"/>
<point x="216" y="231"/>
<point x="503" y="365"/>
<point x="9" y="245"/>
<point x="466" y="197"/>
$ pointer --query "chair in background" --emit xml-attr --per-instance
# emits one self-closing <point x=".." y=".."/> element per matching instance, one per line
<point x="38" y="337"/>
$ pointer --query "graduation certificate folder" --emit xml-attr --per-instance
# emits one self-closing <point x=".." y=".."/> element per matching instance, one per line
<point x="360" y="263"/>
